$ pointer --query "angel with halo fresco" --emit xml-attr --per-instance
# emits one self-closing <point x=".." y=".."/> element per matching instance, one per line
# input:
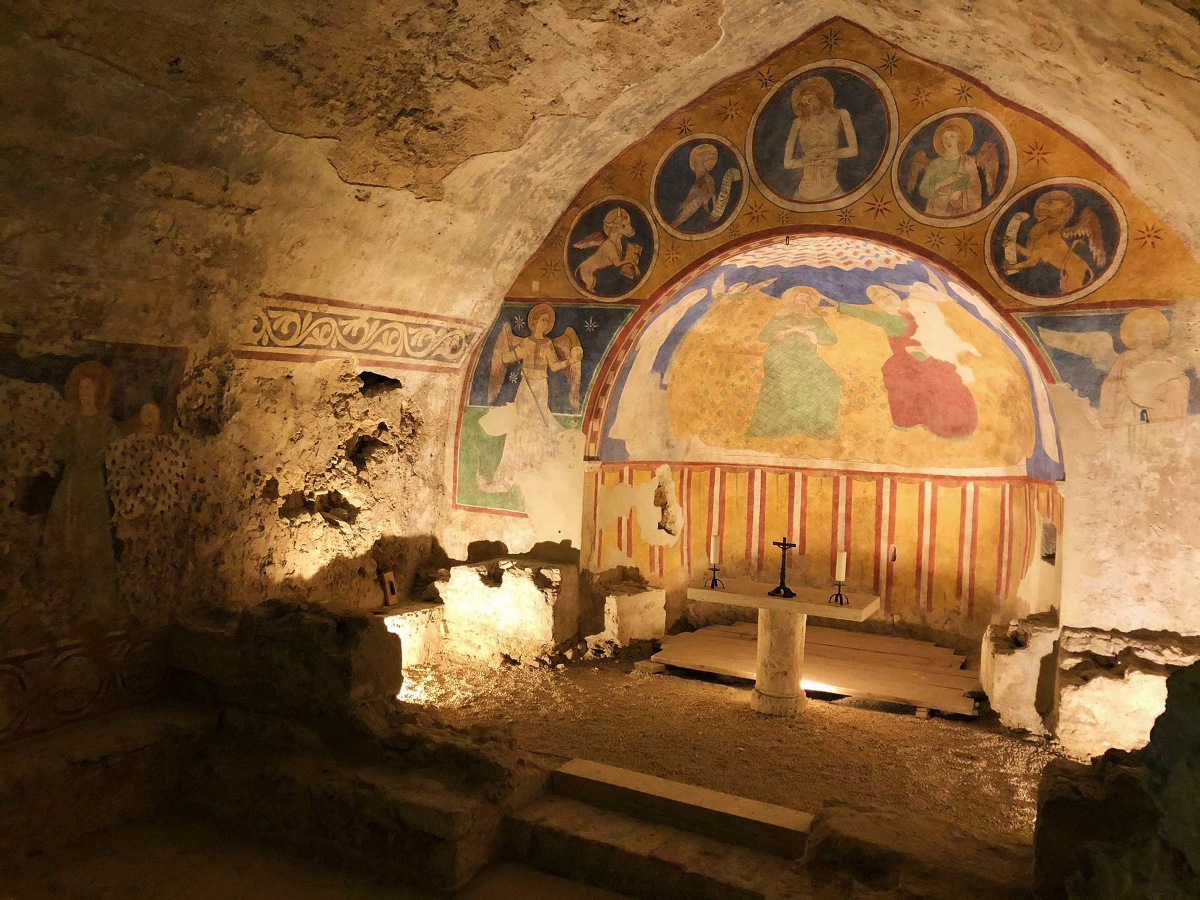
<point x="531" y="431"/>
<point x="1146" y="383"/>
<point x="950" y="183"/>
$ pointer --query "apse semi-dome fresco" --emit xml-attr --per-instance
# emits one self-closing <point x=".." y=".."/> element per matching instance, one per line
<point x="831" y="350"/>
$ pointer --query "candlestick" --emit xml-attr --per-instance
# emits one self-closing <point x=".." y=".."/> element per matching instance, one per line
<point x="716" y="582"/>
<point x="840" y="577"/>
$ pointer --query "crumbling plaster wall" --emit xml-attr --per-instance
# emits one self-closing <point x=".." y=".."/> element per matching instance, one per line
<point x="164" y="163"/>
<point x="1130" y="548"/>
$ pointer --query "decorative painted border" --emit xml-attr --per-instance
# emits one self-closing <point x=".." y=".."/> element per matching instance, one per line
<point x="1010" y="147"/>
<point x="889" y="150"/>
<point x="292" y="327"/>
<point x="71" y="679"/>
<point x="732" y="217"/>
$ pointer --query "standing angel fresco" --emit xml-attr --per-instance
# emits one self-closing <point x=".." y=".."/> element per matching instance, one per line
<point x="950" y="184"/>
<point x="922" y="389"/>
<point x="820" y="136"/>
<point x="611" y="249"/>
<point x="800" y="392"/>
<point x="530" y="428"/>
<point x="1055" y="240"/>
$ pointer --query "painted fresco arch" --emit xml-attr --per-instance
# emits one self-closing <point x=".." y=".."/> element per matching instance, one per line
<point x="779" y="293"/>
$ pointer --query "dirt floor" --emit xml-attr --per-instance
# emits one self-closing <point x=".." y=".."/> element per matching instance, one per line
<point x="178" y="861"/>
<point x="701" y="730"/>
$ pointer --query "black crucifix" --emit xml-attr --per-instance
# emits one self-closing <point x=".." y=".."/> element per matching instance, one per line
<point x="783" y="590"/>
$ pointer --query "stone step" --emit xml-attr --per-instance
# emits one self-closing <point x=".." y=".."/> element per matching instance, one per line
<point x="414" y="826"/>
<point x="725" y="817"/>
<point x="620" y="853"/>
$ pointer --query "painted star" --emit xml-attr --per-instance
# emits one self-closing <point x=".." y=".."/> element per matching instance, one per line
<point x="965" y="245"/>
<point x="921" y="97"/>
<point x="734" y="231"/>
<point x="785" y="218"/>
<point x="513" y="377"/>
<point x="550" y="267"/>
<point x="556" y="239"/>
<point x="1149" y="235"/>
<point x="638" y="169"/>
<point x="905" y="227"/>
<point x="934" y="240"/>
<point x="846" y="215"/>
<point x="671" y="254"/>
<point x="518" y="322"/>
<point x="609" y="181"/>
<point x="963" y="92"/>
<point x="1037" y="154"/>
<point x="684" y="126"/>
<point x="590" y="325"/>
<point x="831" y="40"/>
<point x="879" y="206"/>
<point x="757" y="212"/>
<point x="730" y="109"/>
<point x="766" y="77"/>
<point x="889" y="63"/>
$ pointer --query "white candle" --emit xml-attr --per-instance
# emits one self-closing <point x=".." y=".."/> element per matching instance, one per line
<point x="841" y="566"/>
<point x="712" y="548"/>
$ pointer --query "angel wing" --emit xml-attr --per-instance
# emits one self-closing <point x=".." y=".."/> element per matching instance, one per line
<point x="569" y="350"/>
<point x="505" y="344"/>
<point x="595" y="239"/>
<point x="1087" y="226"/>
<point x="988" y="161"/>
<point x="919" y="164"/>
<point x="1095" y="345"/>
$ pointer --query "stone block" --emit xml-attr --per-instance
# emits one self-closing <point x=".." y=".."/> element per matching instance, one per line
<point x="632" y="612"/>
<point x="1128" y="825"/>
<point x="419" y="827"/>
<point x="519" y="609"/>
<point x="59" y="787"/>
<point x="291" y="658"/>
<point x="421" y="627"/>
<point x="1017" y="670"/>
<point x="912" y="856"/>
<point x="1079" y="804"/>
<point x="1111" y="686"/>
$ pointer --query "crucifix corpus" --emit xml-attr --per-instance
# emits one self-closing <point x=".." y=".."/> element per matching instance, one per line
<point x="783" y="590"/>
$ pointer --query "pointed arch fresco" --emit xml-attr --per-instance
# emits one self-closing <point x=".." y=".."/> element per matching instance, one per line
<point x="1029" y="258"/>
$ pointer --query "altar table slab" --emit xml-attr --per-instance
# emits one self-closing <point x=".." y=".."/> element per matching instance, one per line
<point x="781" y="625"/>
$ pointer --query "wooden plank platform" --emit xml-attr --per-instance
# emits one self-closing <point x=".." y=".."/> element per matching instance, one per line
<point x="871" y="666"/>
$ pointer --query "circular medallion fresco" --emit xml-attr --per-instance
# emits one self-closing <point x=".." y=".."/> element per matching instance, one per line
<point x="699" y="187"/>
<point x="822" y="137"/>
<point x="955" y="168"/>
<point x="610" y="248"/>
<point x="1056" y="241"/>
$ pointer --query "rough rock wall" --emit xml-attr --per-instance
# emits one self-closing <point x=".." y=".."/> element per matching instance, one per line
<point x="163" y="165"/>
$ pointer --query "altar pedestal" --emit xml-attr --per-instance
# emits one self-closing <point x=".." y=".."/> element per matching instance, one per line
<point x="781" y="625"/>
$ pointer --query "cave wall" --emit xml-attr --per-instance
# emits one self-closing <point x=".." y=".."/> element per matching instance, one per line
<point x="267" y="200"/>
